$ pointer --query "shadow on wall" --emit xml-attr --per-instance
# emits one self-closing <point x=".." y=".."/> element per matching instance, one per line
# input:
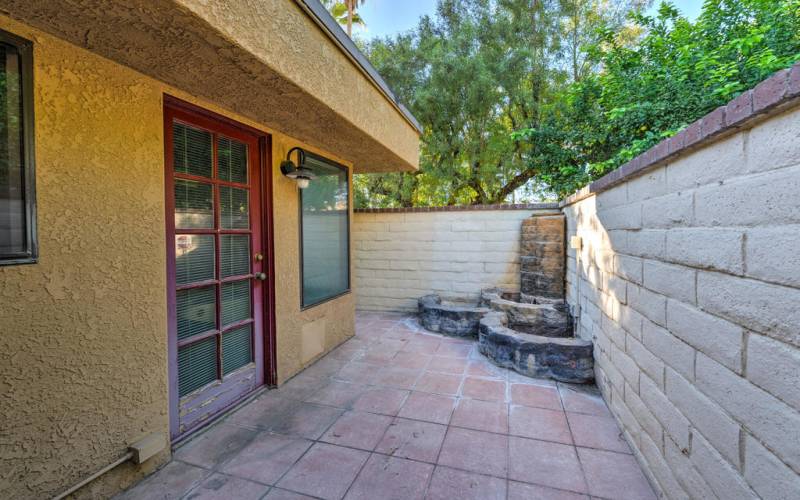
<point x="687" y="279"/>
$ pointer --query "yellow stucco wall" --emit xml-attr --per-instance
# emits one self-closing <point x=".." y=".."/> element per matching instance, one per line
<point x="304" y="54"/>
<point x="265" y="59"/>
<point x="83" y="344"/>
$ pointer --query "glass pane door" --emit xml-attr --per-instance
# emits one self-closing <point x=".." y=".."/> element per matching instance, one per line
<point x="217" y="268"/>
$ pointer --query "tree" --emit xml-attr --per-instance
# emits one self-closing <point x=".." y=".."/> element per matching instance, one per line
<point x="654" y="85"/>
<point x="538" y="97"/>
<point x="473" y="75"/>
<point x="583" y="24"/>
<point x="344" y="12"/>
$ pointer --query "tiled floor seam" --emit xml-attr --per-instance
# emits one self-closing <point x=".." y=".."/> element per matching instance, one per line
<point x="383" y="331"/>
<point x="439" y="451"/>
<point x="318" y="441"/>
<point x="314" y="441"/>
<point x="200" y="481"/>
<point x="217" y="469"/>
<point x="574" y="447"/>
<point x="261" y="429"/>
<point x="371" y="452"/>
<point x="438" y="456"/>
<point x="508" y="447"/>
<point x="360" y="470"/>
<point x="435" y="464"/>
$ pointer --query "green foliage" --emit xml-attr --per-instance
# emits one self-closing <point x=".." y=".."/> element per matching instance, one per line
<point x="475" y="73"/>
<point x="672" y="75"/>
<point x="537" y="98"/>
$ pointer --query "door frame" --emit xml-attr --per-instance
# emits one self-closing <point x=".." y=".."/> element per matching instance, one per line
<point x="171" y="103"/>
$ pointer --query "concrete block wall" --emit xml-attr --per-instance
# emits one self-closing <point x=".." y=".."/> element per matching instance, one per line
<point x="688" y="281"/>
<point x="400" y="255"/>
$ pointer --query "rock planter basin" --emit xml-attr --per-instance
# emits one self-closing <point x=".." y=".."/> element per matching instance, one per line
<point x="530" y="315"/>
<point x="458" y="318"/>
<point x="526" y="334"/>
<point x="566" y="359"/>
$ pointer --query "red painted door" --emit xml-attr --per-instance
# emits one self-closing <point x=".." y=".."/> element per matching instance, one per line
<point x="216" y="265"/>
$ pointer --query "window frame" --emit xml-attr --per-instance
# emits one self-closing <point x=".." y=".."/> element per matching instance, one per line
<point x="25" y="50"/>
<point x="349" y="289"/>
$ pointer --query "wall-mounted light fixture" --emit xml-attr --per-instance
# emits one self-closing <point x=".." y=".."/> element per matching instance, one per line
<point x="300" y="172"/>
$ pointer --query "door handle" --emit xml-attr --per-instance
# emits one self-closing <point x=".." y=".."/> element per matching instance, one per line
<point x="260" y="276"/>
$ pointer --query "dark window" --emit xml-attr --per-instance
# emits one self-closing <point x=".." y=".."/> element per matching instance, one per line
<point x="325" y="232"/>
<point x="17" y="200"/>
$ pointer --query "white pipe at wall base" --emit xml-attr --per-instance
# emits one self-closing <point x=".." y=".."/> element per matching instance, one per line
<point x="94" y="476"/>
<point x="139" y="452"/>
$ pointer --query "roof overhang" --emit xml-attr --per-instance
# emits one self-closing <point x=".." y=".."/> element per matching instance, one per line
<point x="283" y="63"/>
<point x="329" y="25"/>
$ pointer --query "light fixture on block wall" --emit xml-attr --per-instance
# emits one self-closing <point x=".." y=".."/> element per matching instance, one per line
<point x="300" y="172"/>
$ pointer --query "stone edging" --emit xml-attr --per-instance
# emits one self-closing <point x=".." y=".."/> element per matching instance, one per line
<point x="460" y="208"/>
<point x="776" y="93"/>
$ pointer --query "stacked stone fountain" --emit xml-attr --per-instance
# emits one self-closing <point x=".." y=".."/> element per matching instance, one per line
<point x="530" y="332"/>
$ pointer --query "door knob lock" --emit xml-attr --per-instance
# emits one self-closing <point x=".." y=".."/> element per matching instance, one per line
<point x="259" y="257"/>
<point x="260" y="276"/>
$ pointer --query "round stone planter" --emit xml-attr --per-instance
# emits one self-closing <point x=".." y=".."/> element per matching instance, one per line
<point x="566" y="359"/>
<point x="456" y="318"/>
<point x="548" y="319"/>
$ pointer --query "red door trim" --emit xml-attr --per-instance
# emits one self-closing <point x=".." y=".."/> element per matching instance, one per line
<point x="270" y="344"/>
<point x="208" y="119"/>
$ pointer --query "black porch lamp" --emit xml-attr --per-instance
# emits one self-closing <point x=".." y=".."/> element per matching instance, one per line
<point x="302" y="174"/>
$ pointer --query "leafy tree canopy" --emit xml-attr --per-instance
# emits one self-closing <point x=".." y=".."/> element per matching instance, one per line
<point x="533" y="99"/>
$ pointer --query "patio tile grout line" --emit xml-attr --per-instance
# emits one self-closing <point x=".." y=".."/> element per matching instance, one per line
<point x="314" y="442"/>
<point x="457" y="398"/>
<point x="358" y="474"/>
<point x="508" y="441"/>
<point x="439" y="452"/>
<point x="574" y="444"/>
<point x="563" y="410"/>
<point x="372" y="451"/>
<point x="346" y="409"/>
<point x="435" y="466"/>
<point x="212" y="472"/>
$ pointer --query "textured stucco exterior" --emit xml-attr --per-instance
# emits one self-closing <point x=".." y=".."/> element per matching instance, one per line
<point x="83" y="333"/>
<point x="688" y="280"/>
<point x="401" y="256"/>
<point x="265" y="59"/>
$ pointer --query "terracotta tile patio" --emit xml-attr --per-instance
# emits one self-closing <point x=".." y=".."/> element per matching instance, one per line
<point x="401" y="413"/>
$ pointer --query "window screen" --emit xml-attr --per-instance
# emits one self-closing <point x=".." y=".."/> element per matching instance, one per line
<point x="17" y="208"/>
<point x="325" y="232"/>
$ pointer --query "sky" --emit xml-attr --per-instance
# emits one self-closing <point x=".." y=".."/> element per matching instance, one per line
<point x="390" y="17"/>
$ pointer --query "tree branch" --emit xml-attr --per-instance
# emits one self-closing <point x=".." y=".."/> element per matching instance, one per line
<point x="517" y="181"/>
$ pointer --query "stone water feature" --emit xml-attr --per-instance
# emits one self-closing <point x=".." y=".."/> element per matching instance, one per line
<point x="530" y="332"/>
<point x="458" y="318"/>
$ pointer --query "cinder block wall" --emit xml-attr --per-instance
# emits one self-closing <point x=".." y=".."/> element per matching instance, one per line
<point x="688" y="280"/>
<point x="402" y="254"/>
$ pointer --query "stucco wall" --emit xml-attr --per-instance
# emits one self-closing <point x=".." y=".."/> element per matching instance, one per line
<point x="688" y="281"/>
<point x="263" y="59"/>
<point x="299" y="50"/>
<point x="83" y="344"/>
<point x="403" y="255"/>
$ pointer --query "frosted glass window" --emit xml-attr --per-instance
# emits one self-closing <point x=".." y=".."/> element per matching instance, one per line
<point x="325" y="232"/>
